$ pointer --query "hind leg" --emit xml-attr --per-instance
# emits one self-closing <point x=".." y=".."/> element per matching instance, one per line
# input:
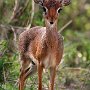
<point x="27" y="68"/>
<point x="24" y="64"/>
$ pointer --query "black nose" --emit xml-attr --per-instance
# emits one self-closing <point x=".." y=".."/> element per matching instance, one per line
<point x="51" y="22"/>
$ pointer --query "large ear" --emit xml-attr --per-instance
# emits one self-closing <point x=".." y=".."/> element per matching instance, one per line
<point x="40" y="2"/>
<point x="65" y="2"/>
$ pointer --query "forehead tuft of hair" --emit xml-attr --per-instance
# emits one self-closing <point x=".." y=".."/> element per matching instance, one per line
<point x="51" y="3"/>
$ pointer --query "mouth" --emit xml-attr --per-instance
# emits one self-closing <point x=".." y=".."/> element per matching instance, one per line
<point x="51" y="24"/>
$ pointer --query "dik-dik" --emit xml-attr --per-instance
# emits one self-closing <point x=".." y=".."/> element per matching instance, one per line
<point x="42" y="47"/>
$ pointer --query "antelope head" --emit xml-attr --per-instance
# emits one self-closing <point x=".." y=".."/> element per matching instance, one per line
<point x="51" y="9"/>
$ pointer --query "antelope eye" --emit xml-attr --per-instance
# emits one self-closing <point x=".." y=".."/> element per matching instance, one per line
<point x="59" y="10"/>
<point x="45" y="9"/>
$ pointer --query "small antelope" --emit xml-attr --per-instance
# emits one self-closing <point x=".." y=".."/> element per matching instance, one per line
<point x="42" y="47"/>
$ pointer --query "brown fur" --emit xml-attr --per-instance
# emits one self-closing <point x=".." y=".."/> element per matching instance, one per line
<point x="41" y="47"/>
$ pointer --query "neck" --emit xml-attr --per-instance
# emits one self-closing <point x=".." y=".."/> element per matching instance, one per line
<point x="51" y="34"/>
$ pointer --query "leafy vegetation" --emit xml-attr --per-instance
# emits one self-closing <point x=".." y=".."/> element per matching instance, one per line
<point x="74" y="71"/>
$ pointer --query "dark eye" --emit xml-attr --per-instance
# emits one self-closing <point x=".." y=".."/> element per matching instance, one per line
<point x="45" y="9"/>
<point x="59" y="10"/>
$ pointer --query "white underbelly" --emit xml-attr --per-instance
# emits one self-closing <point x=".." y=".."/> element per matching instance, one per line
<point x="49" y="61"/>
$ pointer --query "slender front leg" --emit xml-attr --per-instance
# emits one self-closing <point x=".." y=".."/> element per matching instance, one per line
<point x="40" y="69"/>
<point x="52" y="78"/>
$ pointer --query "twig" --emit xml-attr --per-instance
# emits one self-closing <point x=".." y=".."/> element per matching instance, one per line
<point x="8" y="28"/>
<point x="4" y="75"/>
<point x="77" y="69"/>
<point x="32" y="14"/>
<point x="19" y="8"/>
<point x="65" y="26"/>
<point x="17" y="82"/>
<point x="14" y="33"/>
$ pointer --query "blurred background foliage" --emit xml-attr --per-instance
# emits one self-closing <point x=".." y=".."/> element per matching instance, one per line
<point x="74" y="71"/>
